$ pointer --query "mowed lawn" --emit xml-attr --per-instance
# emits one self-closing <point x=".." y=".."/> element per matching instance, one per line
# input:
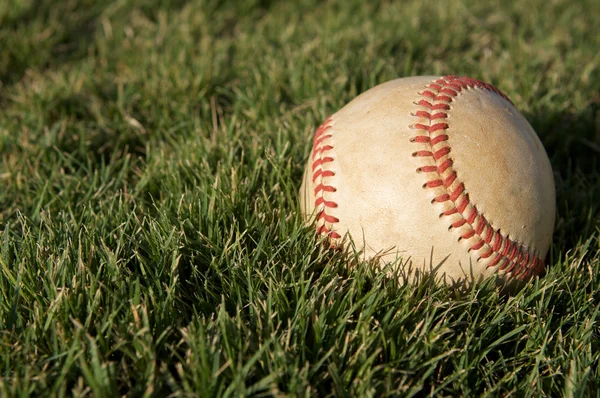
<point x="151" y="242"/>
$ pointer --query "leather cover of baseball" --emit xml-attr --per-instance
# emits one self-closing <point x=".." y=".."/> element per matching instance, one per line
<point x="443" y="172"/>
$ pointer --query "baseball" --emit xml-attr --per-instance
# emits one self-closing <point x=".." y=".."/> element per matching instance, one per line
<point x="438" y="175"/>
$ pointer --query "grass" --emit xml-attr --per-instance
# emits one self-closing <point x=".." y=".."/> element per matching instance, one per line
<point x="151" y="244"/>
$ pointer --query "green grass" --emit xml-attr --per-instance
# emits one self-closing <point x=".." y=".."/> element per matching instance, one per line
<point x="151" y="244"/>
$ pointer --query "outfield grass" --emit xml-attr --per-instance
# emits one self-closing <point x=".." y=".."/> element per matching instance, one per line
<point x="151" y="244"/>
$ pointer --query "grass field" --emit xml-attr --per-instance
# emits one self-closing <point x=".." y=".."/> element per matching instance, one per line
<point x="152" y="152"/>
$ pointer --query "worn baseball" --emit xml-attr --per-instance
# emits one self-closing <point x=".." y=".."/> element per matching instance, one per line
<point x="437" y="175"/>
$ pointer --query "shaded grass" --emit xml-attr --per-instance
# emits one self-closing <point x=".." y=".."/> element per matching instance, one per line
<point x="151" y="157"/>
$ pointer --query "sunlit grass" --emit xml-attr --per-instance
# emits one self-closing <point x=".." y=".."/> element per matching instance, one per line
<point x="151" y="244"/>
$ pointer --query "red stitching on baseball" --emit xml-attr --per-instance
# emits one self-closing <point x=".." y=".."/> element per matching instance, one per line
<point x="421" y="138"/>
<point x="326" y="188"/>
<point x="469" y="234"/>
<point x="449" y="92"/>
<point x="429" y="116"/>
<point x="321" y="139"/>
<point x="463" y="204"/>
<point x="326" y="203"/>
<point x="441" y="152"/>
<point x="445" y="98"/>
<point x="511" y="266"/>
<point x="320" y="161"/>
<point x="435" y="107"/>
<point x="437" y="126"/>
<point x="322" y="129"/>
<point x="438" y="139"/>
<point x="524" y="264"/>
<point x="478" y="245"/>
<point x="497" y="243"/>
<point x="495" y="261"/>
<point x="510" y="256"/>
<point x="505" y="262"/>
<point x="323" y="149"/>
<point x="423" y="153"/>
<point x="472" y="216"/>
<point x="487" y="254"/>
<point x="513" y="253"/>
<point x="480" y="225"/>
<point x="428" y="169"/>
<point x="321" y="174"/>
<point x="448" y="181"/>
<point x="459" y="223"/>
<point x="327" y="217"/>
<point x="434" y="183"/>
<point x="506" y="246"/>
<point x="489" y="235"/>
<point x="450" y="212"/>
<point x="323" y="230"/>
<point x="445" y="164"/>
<point x="459" y="189"/>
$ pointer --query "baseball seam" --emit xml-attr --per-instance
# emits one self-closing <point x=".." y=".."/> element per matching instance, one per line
<point x="322" y="157"/>
<point x="507" y="254"/>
